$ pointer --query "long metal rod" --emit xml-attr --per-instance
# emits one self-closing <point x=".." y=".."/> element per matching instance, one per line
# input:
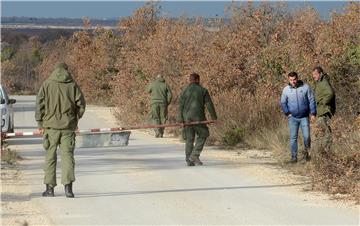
<point x="97" y="130"/>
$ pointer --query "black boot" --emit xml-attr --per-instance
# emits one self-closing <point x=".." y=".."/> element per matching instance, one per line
<point x="68" y="191"/>
<point x="195" y="160"/>
<point x="293" y="160"/>
<point x="49" y="192"/>
<point x="306" y="156"/>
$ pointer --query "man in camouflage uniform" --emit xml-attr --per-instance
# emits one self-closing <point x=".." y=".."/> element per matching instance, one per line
<point x="325" y="103"/>
<point x="193" y="100"/>
<point x="160" y="99"/>
<point x="59" y="106"/>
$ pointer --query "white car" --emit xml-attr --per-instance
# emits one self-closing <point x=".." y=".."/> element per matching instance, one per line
<point x="7" y="111"/>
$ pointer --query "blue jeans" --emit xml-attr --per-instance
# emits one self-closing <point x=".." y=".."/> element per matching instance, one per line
<point x="294" y="124"/>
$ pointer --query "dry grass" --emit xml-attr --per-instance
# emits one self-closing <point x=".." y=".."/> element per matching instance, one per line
<point x="8" y="156"/>
<point x="337" y="169"/>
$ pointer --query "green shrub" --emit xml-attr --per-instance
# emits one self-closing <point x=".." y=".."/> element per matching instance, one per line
<point x="234" y="136"/>
<point x="7" y="53"/>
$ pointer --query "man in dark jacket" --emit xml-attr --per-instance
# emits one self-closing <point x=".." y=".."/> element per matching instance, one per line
<point x="193" y="100"/>
<point x="160" y="99"/>
<point x="59" y="106"/>
<point x="325" y="104"/>
<point x="298" y="102"/>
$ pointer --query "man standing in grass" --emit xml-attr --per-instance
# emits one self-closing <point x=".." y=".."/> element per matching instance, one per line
<point x="59" y="106"/>
<point x="160" y="99"/>
<point x="325" y="104"/>
<point x="298" y="102"/>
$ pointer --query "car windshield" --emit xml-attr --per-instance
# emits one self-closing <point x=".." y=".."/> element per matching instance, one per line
<point x="3" y="93"/>
<point x="1" y="96"/>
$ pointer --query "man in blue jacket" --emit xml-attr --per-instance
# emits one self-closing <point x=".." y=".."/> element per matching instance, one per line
<point x="297" y="103"/>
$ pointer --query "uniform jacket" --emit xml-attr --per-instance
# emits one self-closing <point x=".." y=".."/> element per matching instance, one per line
<point x="60" y="102"/>
<point x="193" y="100"/>
<point x="160" y="92"/>
<point x="324" y="96"/>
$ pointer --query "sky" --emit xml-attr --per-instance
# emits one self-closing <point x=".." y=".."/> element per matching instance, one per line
<point x="116" y="9"/>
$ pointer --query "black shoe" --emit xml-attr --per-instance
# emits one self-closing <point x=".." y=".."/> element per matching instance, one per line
<point x="306" y="156"/>
<point x="68" y="191"/>
<point x="190" y="163"/>
<point x="195" y="160"/>
<point x="49" y="192"/>
<point x="293" y="160"/>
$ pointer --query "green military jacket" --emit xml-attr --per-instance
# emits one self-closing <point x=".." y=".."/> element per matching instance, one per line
<point x="193" y="100"/>
<point x="60" y="102"/>
<point x="160" y="92"/>
<point x="324" y="96"/>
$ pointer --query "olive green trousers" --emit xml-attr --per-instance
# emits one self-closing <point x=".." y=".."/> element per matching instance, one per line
<point x="65" y="140"/>
<point x="159" y="114"/>
<point x="197" y="134"/>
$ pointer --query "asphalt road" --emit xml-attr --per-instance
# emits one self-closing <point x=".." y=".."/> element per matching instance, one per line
<point x="148" y="182"/>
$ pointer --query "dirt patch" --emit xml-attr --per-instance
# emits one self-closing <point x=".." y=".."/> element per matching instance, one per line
<point x="263" y="165"/>
<point x="16" y="205"/>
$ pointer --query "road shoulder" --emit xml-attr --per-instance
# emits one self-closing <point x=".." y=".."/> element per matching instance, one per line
<point x="263" y="166"/>
<point x="17" y="207"/>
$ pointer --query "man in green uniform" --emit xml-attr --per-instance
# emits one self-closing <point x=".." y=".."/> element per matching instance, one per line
<point x="193" y="100"/>
<point x="325" y="104"/>
<point x="160" y="99"/>
<point x="59" y="106"/>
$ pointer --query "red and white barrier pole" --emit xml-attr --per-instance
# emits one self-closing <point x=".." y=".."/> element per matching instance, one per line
<point x="99" y="130"/>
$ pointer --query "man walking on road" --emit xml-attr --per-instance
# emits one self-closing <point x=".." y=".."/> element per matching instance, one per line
<point x="325" y="104"/>
<point x="160" y="99"/>
<point x="193" y="100"/>
<point x="59" y="106"/>
<point x="297" y="102"/>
